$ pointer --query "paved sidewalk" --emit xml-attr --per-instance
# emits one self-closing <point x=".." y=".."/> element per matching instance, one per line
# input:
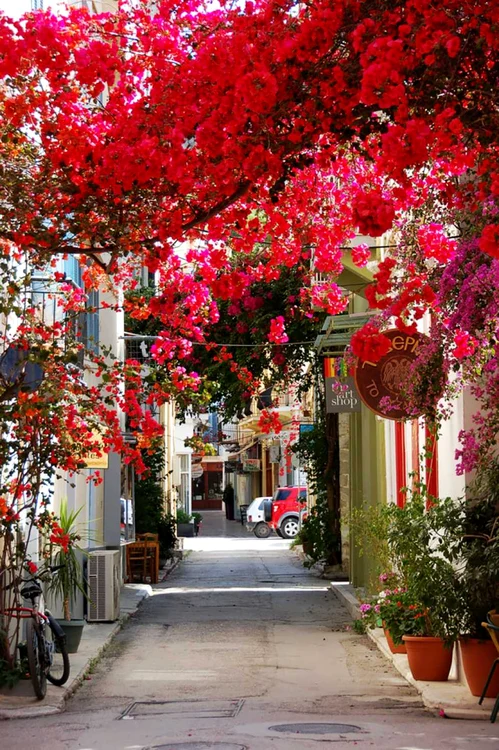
<point x="451" y="698"/>
<point x="20" y="703"/>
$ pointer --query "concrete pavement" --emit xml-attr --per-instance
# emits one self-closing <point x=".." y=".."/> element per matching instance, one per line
<point x="452" y="698"/>
<point x="241" y="648"/>
<point x="20" y="702"/>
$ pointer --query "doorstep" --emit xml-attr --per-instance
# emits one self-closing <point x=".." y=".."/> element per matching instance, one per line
<point x="451" y="699"/>
<point x="20" y="703"/>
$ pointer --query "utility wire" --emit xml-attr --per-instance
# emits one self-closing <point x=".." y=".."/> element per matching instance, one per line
<point x="138" y="337"/>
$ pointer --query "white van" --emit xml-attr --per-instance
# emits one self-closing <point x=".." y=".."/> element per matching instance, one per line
<point x="255" y="513"/>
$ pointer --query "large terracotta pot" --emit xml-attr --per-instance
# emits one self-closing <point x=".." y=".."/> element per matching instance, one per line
<point x="399" y="649"/>
<point x="478" y="657"/>
<point x="429" y="659"/>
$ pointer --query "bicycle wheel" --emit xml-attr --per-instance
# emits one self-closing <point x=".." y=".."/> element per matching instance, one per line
<point x="58" y="671"/>
<point x="35" y="647"/>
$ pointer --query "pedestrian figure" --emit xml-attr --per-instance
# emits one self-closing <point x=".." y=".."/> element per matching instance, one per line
<point x="228" y="498"/>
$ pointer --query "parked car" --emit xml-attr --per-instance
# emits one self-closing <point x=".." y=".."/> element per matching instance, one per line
<point x="282" y="513"/>
<point x="255" y="517"/>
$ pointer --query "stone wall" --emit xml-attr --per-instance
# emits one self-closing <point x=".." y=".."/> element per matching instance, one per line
<point x="344" y="440"/>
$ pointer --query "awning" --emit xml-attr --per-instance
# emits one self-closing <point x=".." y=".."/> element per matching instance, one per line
<point x="233" y="456"/>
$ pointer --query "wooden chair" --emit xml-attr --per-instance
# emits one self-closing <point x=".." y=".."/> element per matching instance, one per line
<point x="141" y="561"/>
<point x="492" y="627"/>
<point x="148" y="536"/>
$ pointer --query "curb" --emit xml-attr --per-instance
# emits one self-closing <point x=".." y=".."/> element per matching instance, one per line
<point x="447" y="699"/>
<point x="166" y="572"/>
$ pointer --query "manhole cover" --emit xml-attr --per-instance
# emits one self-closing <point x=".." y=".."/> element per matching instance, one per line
<point x="316" y="728"/>
<point x="198" y="746"/>
<point x="184" y="709"/>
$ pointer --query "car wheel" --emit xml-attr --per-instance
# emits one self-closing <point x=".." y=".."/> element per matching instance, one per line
<point x="279" y="533"/>
<point x="290" y="528"/>
<point x="261" y="530"/>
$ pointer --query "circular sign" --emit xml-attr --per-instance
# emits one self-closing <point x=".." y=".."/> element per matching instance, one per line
<point x="380" y="383"/>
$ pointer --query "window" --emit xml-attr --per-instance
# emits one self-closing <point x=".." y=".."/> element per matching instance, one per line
<point x="282" y="494"/>
<point x="90" y="335"/>
<point x="72" y="269"/>
<point x="185" y="484"/>
<point x="36" y="4"/>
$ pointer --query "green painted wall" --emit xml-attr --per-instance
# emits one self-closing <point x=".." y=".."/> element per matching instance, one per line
<point x="368" y="479"/>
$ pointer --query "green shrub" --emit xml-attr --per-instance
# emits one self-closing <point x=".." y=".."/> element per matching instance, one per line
<point x="183" y="517"/>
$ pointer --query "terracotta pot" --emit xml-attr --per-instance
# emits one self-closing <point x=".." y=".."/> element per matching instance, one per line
<point x="429" y="660"/>
<point x="308" y="547"/>
<point x="478" y="657"/>
<point x="400" y="649"/>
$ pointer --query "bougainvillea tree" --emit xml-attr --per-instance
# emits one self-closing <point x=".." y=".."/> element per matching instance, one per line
<point x="269" y="132"/>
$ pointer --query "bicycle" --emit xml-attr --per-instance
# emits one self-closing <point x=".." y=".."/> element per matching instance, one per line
<point x="46" y="649"/>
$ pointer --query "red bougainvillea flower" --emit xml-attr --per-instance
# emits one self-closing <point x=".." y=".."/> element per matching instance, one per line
<point x="435" y="243"/>
<point x="278" y="333"/>
<point x="269" y="422"/>
<point x="32" y="567"/>
<point x="329" y="297"/>
<point x="373" y="213"/>
<point x="361" y="255"/>
<point x="369" y="344"/>
<point x="464" y="344"/>
<point x="489" y="241"/>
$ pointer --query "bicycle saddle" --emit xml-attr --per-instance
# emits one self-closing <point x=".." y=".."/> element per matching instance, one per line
<point x="32" y="590"/>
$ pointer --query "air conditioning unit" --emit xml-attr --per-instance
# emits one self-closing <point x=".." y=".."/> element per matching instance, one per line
<point x="103" y="585"/>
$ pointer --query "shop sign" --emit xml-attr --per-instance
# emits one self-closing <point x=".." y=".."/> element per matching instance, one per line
<point x="97" y="459"/>
<point x="196" y="471"/>
<point x="251" y="464"/>
<point x="341" y="396"/>
<point x="275" y="453"/>
<point x="304" y="428"/>
<point x="380" y="384"/>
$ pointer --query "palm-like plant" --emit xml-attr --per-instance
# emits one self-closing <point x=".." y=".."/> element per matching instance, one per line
<point x="65" y="550"/>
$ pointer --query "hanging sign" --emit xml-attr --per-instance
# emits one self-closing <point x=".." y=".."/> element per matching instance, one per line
<point x="341" y="396"/>
<point x="251" y="464"/>
<point x="196" y="471"/>
<point x="96" y="459"/>
<point x="380" y="384"/>
<point x="274" y="453"/>
<point x="306" y="427"/>
<point x="341" y="392"/>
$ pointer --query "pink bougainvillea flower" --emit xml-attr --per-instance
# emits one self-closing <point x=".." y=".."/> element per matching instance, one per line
<point x="464" y="344"/>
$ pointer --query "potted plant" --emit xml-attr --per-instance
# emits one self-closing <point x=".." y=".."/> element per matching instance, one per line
<point x="422" y="539"/>
<point x="393" y="610"/>
<point x="479" y="572"/>
<point x="185" y="523"/>
<point x="67" y="579"/>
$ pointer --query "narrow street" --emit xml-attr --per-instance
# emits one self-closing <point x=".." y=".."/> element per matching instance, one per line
<point x="241" y="639"/>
